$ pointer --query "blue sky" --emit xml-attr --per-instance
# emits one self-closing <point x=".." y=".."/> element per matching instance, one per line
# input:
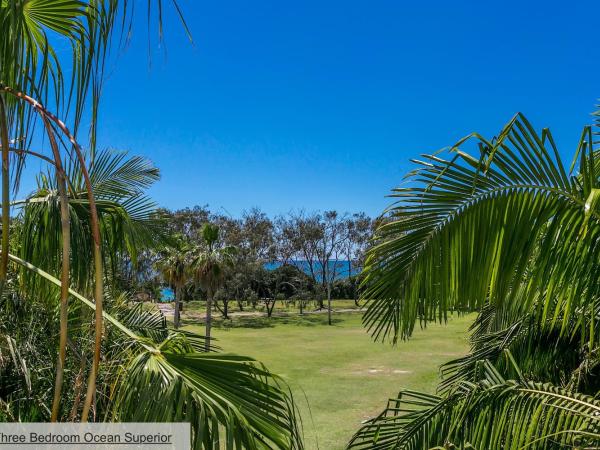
<point x="319" y="105"/>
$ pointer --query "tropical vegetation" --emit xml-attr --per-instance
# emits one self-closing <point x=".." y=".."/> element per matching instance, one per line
<point x="73" y="346"/>
<point x="505" y="228"/>
<point x="299" y="258"/>
<point x="502" y="227"/>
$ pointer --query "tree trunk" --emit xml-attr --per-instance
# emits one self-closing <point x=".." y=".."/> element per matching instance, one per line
<point x="328" y="304"/>
<point x="64" y="280"/>
<point x="301" y="306"/>
<point x="349" y="266"/>
<point x="328" y="289"/>
<point x="240" y="305"/>
<point x="5" y="193"/>
<point x="208" y="319"/>
<point x="225" y="309"/>
<point x="177" y="302"/>
<point x="271" y="308"/>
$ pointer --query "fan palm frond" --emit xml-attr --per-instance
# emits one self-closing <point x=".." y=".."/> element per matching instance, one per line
<point x="225" y="397"/>
<point x="127" y="217"/>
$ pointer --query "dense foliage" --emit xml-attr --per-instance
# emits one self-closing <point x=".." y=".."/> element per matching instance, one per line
<point x="512" y="233"/>
<point x="295" y="257"/>
<point x="73" y="346"/>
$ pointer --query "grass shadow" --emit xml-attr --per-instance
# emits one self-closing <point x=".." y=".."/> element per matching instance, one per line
<point x="270" y="322"/>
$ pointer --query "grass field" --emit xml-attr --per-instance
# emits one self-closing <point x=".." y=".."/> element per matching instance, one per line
<point x="345" y="377"/>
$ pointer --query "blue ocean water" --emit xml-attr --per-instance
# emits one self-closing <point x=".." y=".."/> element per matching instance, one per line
<point x="167" y="294"/>
<point x="341" y="268"/>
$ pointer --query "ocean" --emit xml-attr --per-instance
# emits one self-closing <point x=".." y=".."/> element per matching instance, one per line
<point x="340" y="267"/>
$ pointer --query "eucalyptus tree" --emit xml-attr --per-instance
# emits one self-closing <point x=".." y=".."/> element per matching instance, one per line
<point x="307" y="234"/>
<point x="358" y="231"/>
<point x="330" y="247"/>
<point x="284" y="236"/>
<point x="186" y="222"/>
<point x="258" y="244"/>
<point x="209" y="266"/>
<point x="513" y="233"/>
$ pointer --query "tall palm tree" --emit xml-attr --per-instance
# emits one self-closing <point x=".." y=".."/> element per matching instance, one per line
<point x="512" y="233"/>
<point x="31" y="79"/>
<point x="175" y="267"/>
<point x="209" y="266"/>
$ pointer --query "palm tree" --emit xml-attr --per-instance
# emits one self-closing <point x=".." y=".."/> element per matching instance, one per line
<point x="513" y="234"/>
<point x="175" y="267"/>
<point x="209" y="267"/>
<point x="29" y="64"/>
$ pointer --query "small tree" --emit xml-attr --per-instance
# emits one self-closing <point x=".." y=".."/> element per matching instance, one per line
<point x="358" y="230"/>
<point x="175" y="270"/>
<point x="209" y="268"/>
<point x="250" y="296"/>
<point x="331" y="245"/>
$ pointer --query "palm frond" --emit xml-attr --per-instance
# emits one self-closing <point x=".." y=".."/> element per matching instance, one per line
<point x="127" y="217"/>
<point x="541" y="352"/>
<point x="226" y="398"/>
<point x="471" y="230"/>
<point x="492" y="413"/>
<point x="223" y="396"/>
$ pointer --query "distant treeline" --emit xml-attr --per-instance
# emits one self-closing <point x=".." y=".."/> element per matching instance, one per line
<point x="299" y="255"/>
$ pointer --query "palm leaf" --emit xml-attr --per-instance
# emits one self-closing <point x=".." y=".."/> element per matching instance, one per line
<point x="492" y="413"/>
<point x="468" y="231"/>
<point x="219" y="394"/>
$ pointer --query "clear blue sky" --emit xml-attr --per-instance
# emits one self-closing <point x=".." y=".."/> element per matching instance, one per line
<point x="320" y="104"/>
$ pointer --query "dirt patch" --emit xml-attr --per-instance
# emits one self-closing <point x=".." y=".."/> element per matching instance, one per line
<point x="370" y="371"/>
<point x="385" y="371"/>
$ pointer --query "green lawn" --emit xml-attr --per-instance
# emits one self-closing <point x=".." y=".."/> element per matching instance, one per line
<point x="344" y="376"/>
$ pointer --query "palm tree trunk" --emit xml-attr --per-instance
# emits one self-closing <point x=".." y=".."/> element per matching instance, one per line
<point x="64" y="279"/>
<point x="4" y="140"/>
<point x="209" y="299"/>
<point x="95" y="228"/>
<point x="177" y="302"/>
<point x="78" y="387"/>
<point x="99" y="288"/>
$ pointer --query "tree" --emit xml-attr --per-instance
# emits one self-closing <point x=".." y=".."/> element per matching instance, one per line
<point x="307" y="235"/>
<point x="293" y="284"/>
<point x="330" y="246"/>
<point x="358" y="231"/>
<point x="258" y="242"/>
<point x="284" y="235"/>
<point x="186" y="222"/>
<point x="209" y="267"/>
<point x="175" y="268"/>
<point x="512" y="234"/>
